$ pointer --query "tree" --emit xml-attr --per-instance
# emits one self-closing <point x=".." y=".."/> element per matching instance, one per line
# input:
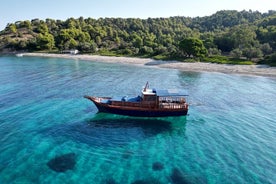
<point x="192" y="47"/>
<point x="225" y="31"/>
<point x="243" y="36"/>
<point x="87" y="46"/>
<point x="45" y="41"/>
<point x="272" y="59"/>
<point x="12" y="28"/>
<point x="208" y="40"/>
<point x="214" y="51"/>
<point x="22" y="44"/>
<point x="70" y="44"/>
<point x="98" y="40"/>
<point x="146" y="50"/>
<point x="224" y="42"/>
<point x="26" y="24"/>
<point x="266" y="49"/>
<point x="42" y="28"/>
<point x="236" y="53"/>
<point x="138" y="41"/>
<point x="252" y="52"/>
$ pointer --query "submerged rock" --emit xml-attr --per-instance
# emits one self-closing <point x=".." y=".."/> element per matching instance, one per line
<point x="147" y="181"/>
<point x="157" y="166"/>
<point x="178" y="177"/>
<point x="110" y="181"/>
<point x="127" y="154"/>
<point x="140" y="182"/>
<point x="63" y="163"/>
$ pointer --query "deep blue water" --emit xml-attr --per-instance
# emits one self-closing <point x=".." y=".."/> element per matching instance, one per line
<point x="229" y="135"/>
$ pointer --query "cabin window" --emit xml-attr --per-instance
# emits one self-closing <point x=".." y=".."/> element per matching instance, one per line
<point x="149" y="97"/>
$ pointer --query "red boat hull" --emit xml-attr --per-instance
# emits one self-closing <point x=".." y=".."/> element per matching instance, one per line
<point x="138" y="111"/>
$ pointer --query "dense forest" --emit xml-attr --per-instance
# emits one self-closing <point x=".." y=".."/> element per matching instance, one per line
<point x="248" y="36"/>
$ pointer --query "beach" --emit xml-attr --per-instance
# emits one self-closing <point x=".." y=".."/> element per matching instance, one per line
<point x="261" y="70"/>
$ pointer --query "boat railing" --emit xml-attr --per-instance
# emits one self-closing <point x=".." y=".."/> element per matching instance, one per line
<point x="168" y="105"/>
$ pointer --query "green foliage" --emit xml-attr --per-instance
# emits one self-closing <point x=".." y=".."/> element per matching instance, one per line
<point x="45" y="41"/>
<point x="214" y="51"/>
<point x="224" y="42"/>
<point x="269" y="60"/>
<point x="266" y="49"/>
<point x="42" y="28"/>
<point x="160" y="57"/>
<point x="25" y="24"/>
<point x="236" y="53"/>
<point x="138" y="41"/>
<point x="12" y="28"/>
<point x="242" y="34"/>
<point x="226" y="60"/>
<point x="252" y="52"/>
<point x="216" y="59"/>
<point x="192" y="47"/>
<point x="146" y="50"/>
<point x="88" y="47"/>
<point x="226" y="19"/>
<point x="107" y="53"/>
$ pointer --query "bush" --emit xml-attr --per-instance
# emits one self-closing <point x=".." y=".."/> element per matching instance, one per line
<point x="269" y="60"/>
<point x="226" y="60"/>
<point x="214" y="51"/>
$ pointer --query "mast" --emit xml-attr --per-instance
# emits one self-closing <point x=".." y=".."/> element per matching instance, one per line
<point x="146" y="86"/>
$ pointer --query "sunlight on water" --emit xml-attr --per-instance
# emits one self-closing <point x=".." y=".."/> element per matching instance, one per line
<point x="51" y="134"/>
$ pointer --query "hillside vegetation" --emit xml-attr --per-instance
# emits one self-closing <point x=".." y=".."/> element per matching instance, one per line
<point x="226" y="37"/>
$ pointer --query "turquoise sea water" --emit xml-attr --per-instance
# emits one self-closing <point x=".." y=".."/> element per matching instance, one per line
<point x="229" y="135"/>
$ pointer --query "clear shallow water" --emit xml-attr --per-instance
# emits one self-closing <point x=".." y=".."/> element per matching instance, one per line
<point x="228" y="137"/>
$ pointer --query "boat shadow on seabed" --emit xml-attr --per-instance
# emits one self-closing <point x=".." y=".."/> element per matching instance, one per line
<point x="149" y="126"/>
<point x="106" y="129"/>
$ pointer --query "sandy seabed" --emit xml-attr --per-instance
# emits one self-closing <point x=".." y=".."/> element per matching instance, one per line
<point x="262" y="70"/>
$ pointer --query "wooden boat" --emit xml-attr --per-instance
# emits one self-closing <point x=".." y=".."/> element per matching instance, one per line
<point x="151" y="103"/>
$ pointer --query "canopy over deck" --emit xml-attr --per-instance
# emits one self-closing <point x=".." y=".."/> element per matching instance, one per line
<point x="171" y="92"/>
<point x="165" y="92"/>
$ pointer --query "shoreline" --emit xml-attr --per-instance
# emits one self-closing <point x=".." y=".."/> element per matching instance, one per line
<point x="259" y="70"/>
